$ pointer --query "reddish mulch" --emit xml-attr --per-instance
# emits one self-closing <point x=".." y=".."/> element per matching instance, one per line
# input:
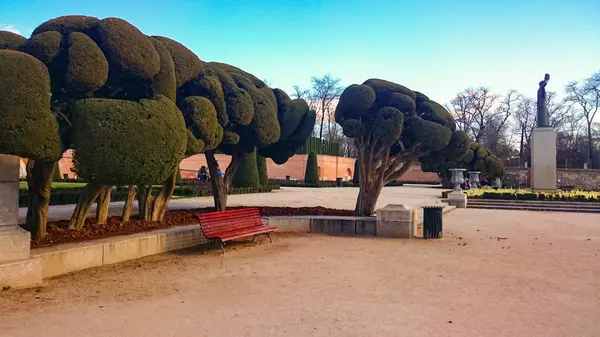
<point x="58" y="232"/>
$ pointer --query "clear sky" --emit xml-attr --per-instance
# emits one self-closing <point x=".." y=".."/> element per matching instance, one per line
<point x="437" y="47"/>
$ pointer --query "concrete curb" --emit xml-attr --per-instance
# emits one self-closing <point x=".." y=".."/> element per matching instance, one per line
<point x="66" y="258"/>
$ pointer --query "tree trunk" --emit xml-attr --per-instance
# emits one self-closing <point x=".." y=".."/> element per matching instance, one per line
<point x="219" y="188"/>
<point x="446" y="180"/>
<point x="161" y="201"/>
<point x="87" y="197"/>
<point x="39" y="181"/>
<point x="128" y="203"/>
<point x="322" y="119"/>
<point x="103" y="205"/>
<point x="369" y="189"/>
<point x="590" y="146"/>
<point x="145" y="201"/>
<point x="367" y="200"/>
<point x="521" y="147"/>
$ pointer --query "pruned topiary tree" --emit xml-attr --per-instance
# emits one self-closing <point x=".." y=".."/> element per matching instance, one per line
<point x="101" y="86"/>
<point x="108" y="65"/>
<point x="449" y="157"/>
<point x="392" y="126"/>
<point x="481" y="159"/>
<point x="252" y="116"/>
<point x="263" y="174"/>
<point x="247" y="173"/>
<point x="29" y="129"/>
<point x="311" y="173"/>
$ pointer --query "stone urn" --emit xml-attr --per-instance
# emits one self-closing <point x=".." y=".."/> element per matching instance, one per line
<point x="457" y="178"/>
<point x="474" y="179"/>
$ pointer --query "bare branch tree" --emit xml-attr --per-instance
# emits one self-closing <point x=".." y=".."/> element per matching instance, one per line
<point x="300" y="93"/>
<point x="586" y="96"/>
<point x="474" y="109"/>
<point x="325" y="90"/>
<point x="525" y="118"/>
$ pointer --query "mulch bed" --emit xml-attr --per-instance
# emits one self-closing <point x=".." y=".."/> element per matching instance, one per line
<point x="58" y="232"/>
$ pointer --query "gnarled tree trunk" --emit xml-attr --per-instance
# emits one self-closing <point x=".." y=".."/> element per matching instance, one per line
<point x="161" y="202"/>
<point x="221" y="185"/>
<point x="145" y="200"/>
<point x="39" y="181"/>
<point x="87" y="197"/>
<point x="376" y="169"/>
<point x="446" y="180"/>
<point x="103" y="205"/>
<point x="129" y="203"/>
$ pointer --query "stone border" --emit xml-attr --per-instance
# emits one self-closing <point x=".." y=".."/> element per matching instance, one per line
<point x="70" y="257"/>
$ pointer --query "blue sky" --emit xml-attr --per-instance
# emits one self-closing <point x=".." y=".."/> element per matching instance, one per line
<point x="437" y="47"/>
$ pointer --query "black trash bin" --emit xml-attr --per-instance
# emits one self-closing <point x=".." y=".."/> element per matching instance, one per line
<point x="339" y="182"/>
<point x="432" y="222"/>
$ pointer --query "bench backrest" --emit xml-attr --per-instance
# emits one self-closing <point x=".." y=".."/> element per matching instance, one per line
<point x="216" y="223"/>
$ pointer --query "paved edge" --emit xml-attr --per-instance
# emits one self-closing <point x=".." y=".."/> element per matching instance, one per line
<point x="65" y="258"/>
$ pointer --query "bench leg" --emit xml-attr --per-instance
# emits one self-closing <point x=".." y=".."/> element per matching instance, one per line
<point x="222" y="244"/>
<point x="269" y="236"/>
<point x="254" y="237"/>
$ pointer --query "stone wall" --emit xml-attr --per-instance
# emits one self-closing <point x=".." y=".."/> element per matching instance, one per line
<point x="587" y="180"/>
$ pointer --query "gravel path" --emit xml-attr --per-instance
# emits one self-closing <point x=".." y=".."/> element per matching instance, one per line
<point x="495" y="273"/>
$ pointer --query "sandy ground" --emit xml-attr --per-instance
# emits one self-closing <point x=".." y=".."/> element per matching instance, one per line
<point x="342" y="198"/>
<point x="543" y="279"/>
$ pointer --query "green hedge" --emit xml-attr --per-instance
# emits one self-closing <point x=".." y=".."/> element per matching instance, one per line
<point x="325" y="183"/>
<point x="69" y="195"/>
<point x="535" y="196"/>
<point x="247" y="173"/>
<point x="311" y="175"/>
<point x="511" y="194"/>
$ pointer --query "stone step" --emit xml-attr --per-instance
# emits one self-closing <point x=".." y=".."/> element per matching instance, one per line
<point x="539" y="208"/>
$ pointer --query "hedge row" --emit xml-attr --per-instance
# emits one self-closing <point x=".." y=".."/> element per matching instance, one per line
<point x="68" y="196"/>
<point x="535" y="196"/>
<point x="321" y="184"/>
<point x="511" y="194"/>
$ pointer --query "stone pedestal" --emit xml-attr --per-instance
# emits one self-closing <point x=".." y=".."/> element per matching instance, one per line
<point x="17" y="269"/>
<point x="457" y="199"/>
<point x="395" y="221"/>
<point x="543" y="159"/>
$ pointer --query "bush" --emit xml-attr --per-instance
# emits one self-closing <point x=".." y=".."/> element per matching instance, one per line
<point x="187" y="65"/>
<point x="300" y="183"/>
<point x="68" y="195"/>
<point x="247" y="173"/>
<point x="263" y="175"/>
<point x="512" y="194"/>
<point x="121" y="142"/>
<point x="11" y="41"/>
<point x="28" y="128"/>
<point x="57" y="175"/>
<point x="129" y="52"/>
<point x="311" y="175"/>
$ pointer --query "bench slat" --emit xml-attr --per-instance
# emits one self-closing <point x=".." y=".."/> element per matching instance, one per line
<point x="246" y="234"/>
<point x="224" y="223"/>
<point x="239" y="230"/>
<point x="234" y="224"/>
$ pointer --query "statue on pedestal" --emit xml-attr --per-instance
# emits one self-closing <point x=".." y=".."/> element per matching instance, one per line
<point x="542" y="109"/>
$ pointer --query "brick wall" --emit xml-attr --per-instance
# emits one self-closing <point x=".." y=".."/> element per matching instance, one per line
<point x="330" y="167"/>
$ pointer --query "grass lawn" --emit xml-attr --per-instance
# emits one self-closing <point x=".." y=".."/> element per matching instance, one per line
<point x="23" y="185"/>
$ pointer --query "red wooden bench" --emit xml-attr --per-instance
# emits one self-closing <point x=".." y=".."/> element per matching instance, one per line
<point x="231" y="225"/>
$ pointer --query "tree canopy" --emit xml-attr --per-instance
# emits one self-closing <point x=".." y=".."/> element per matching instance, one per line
<point x="392" y="126"/>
